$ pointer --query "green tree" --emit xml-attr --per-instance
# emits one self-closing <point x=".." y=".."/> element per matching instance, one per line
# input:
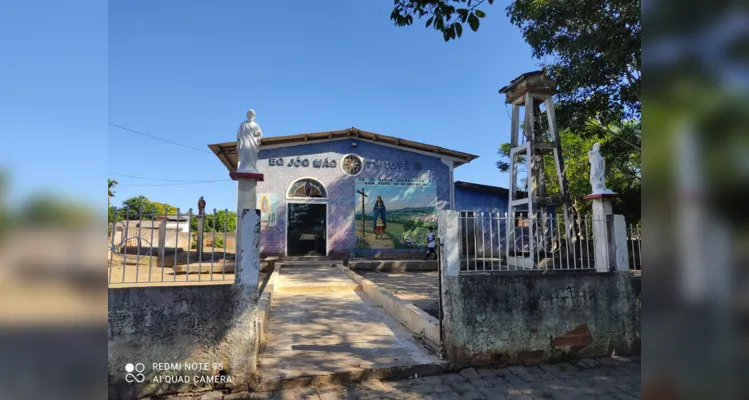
<point x="623" y="169"/>
<point x="164" y="209"/>
<point x="150" y="209"/>
<point x="111" y="183"/>
<point x="216" y="222"/>
<point x="593" y="48"/>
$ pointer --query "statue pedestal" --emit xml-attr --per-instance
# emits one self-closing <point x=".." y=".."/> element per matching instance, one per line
<point x="248" y="248"/>
<point x="609" y="235"/>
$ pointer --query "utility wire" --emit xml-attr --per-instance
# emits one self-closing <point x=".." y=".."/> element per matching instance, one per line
<point x="156" y="179"/>
<point x="176" y="184"/>
<point x="158" y="138"/>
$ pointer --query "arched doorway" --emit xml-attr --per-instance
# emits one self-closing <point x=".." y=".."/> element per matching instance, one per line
<point x="307" y="218"/>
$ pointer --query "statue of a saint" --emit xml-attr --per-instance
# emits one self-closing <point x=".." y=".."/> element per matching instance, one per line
<point x="201" y="206"/>
<point x="248" y="144"/>
<point x="597" y="170"/>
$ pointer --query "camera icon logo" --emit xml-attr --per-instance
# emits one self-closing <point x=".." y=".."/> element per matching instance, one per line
<point x="138" y="377"/>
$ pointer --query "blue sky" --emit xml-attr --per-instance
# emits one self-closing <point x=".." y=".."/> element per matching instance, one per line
<point x="187" y="71"/>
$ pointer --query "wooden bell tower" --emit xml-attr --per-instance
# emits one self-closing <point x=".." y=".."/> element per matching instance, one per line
<point x="538" y="141"/>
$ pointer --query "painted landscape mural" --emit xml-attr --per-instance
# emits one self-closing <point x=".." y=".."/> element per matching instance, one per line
<point x="397" y="212"/>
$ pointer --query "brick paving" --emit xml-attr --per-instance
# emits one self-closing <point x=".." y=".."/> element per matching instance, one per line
<point x="604" y="378"/>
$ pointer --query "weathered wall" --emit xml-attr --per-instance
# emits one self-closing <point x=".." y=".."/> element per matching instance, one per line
<point x="530" y="318"/>
<point x="192" y="324"/>
<point x="340" y="187"/>
<point x="169" y="324"/>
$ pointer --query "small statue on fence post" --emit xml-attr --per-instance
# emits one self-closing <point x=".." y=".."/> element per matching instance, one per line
<point x="201" y="206"/>
<point x="597" y="171"/>
<point x="248" y="144"/>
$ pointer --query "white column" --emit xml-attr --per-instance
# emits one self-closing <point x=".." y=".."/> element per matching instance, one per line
<point x="246" y="200"/>
<point x="601" y="248"/>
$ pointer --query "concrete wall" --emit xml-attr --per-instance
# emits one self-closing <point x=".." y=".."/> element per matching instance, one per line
<point x="193" y="324"/>
<point x="340" y="187"/>
<point x="530" y="318"/>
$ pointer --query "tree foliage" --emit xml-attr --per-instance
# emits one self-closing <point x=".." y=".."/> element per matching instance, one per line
<point x="591" y="48"/>
<point x="623" y="169"/>
<point x="111" y="183"/>
<point x="445" y="16"/>
<point x="219" y="222"/>
<point x="140" y="207"/>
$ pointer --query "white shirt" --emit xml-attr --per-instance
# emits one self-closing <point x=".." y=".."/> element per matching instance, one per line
<point x="430" y="239"/>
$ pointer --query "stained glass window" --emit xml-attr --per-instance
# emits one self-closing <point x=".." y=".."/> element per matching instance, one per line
<point x="307" y="188"/>
<point x="351" y="164"/>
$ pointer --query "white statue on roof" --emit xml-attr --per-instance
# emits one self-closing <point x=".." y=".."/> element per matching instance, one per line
<point x="248" y="144"/>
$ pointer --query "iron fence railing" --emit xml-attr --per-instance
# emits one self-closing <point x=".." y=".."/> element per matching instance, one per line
<point x="634" y="246"/>
<point x="152" y="247"/>
<point x="541" y="242"/>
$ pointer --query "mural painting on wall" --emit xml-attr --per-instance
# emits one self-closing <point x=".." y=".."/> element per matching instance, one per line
<point x="266" y="203"/>
<point x="397" y="212"/>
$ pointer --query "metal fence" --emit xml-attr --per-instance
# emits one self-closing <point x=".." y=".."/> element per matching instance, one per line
<point x="541" y="242"/>
<point x="146" y="247"/>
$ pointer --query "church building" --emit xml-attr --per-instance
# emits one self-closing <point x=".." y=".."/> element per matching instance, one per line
<point x="351" y="191"/>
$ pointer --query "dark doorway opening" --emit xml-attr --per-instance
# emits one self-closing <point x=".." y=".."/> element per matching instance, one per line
<point x="306" y="234"/>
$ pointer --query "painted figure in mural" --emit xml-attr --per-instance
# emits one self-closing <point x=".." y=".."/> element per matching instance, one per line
<point x="248" y="144"/>
<point x="597" y="170"/>
<point x="201" y="206"/>
<point x="379" y="214"/>
<point x="265" y="205"/>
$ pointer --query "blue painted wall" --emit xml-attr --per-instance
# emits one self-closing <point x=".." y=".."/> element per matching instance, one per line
<point x="340" y="187"/>
<point x="467" y="199"/>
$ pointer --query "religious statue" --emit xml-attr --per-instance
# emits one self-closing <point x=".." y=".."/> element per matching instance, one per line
<point x="201" y="206"/>
<point x="248" y="144"/>
<point x="597" y="170"/>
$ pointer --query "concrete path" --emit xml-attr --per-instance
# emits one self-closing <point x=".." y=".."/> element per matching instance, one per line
<point x="418" y="288"/>
<point x="603" y="378"/>
<point x="319" y="324"/>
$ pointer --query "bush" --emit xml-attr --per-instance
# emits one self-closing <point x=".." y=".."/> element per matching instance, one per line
<point x="219" y="242"/>
<point x="194" y="244"/>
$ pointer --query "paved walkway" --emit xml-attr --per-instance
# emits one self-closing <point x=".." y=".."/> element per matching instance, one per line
<point x="584" y="379"/>
<point x="418" y="288"/>
<point x="319" y="325"/>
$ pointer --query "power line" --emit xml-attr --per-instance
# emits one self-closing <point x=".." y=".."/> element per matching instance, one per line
<point x="155" y="179"/>
<point x="158" y="138"/>
<point x="176" y="184"/>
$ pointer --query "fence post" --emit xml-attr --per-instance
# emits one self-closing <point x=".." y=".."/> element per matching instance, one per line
<point x="447" y="222"/>
<point x="246" y="273"/>
<point x="602" y="212"/>
<point x="618" y="245"/>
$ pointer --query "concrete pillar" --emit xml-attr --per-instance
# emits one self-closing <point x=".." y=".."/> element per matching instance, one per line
<point x="621" y="251"/>
<point x="201" y="221"/>
<point x="447" y="229"/>
<point x="247" y="272"/>
<point x="602" y="224"/>
<point x="162" y="237"/>
<point x="246" y="200"/>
